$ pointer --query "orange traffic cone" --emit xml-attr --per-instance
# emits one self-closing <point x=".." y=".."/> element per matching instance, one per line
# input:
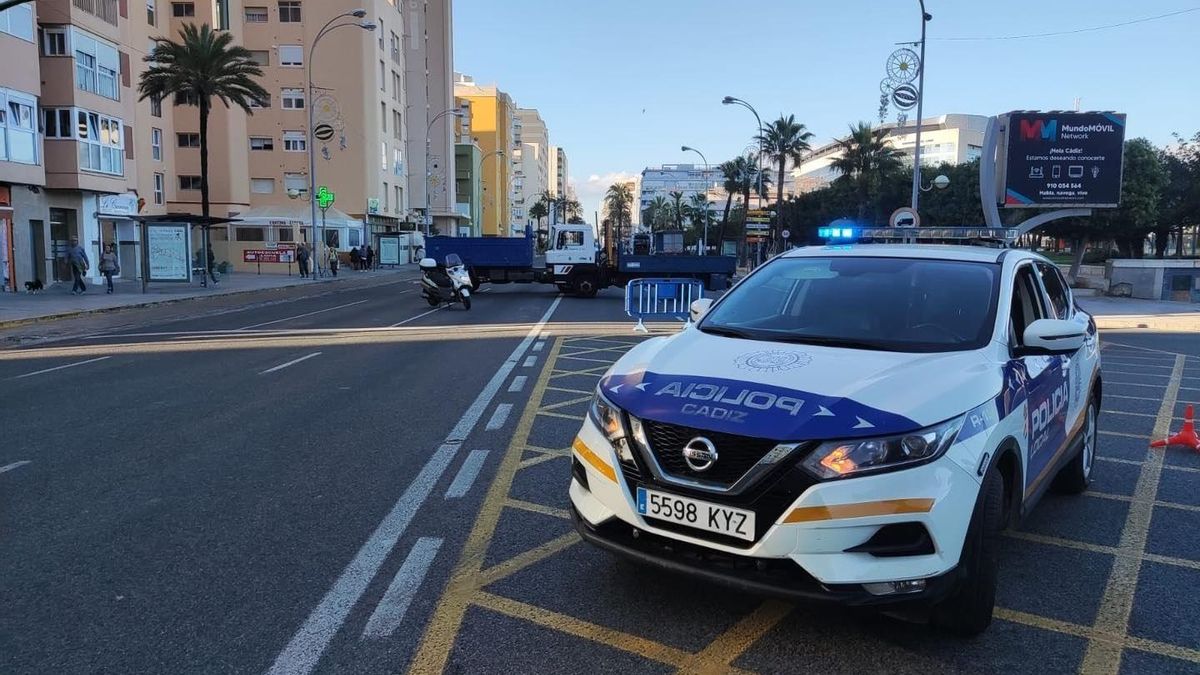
<point x="1186" y="436"/>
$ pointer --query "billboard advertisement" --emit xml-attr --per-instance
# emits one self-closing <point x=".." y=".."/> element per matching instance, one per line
<point x="168" y="245"/>
<point x="1062" y="159"/>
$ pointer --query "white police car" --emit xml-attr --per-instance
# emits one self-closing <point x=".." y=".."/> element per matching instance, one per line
<point x="848" y="423"/>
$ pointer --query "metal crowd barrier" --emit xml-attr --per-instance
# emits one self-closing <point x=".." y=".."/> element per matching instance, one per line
<point x="661" y="298"/>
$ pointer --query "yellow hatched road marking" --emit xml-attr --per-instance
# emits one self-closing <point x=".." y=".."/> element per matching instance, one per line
<point x="1119" y="460"/>
<point x="1115" y="642"/>
<point x="1122" y="434"/>
<point x="1117" y="603"/>
<point x="546" y="413"/>
<point x="538" y="508"/>
<point x="720" y="654"/>
<point x="522" y="560"/>
<point x="563" y="404"/>
<point x="569" y="390"/>
<point x="607" y="362"/>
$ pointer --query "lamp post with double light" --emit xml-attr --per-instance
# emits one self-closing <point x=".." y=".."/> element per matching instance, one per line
<point x="428" y="159"/>
<point x="318" y="242"/>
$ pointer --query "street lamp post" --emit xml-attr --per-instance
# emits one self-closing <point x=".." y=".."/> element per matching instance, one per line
<point x="428" y="156"/>
<point x="916" y="184"/>
<point x="730" y="100"/>
<point x="705" y="160"/>
<point x="330" y="26"/>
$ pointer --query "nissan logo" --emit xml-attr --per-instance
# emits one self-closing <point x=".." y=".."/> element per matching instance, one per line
<point x="700" y="454"/>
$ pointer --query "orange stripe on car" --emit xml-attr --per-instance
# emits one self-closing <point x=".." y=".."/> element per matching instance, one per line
<point x="592" y="458"/>
<point x="808" y="514"/>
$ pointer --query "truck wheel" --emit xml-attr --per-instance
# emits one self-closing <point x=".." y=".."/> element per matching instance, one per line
<point x="586" y="286"/>
<point x="967" y="611"/>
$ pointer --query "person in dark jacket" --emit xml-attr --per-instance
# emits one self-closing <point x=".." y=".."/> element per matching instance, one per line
<point x="355" y="259"/>
<point x="302" y="260"/>
<point x="78" y="259"/>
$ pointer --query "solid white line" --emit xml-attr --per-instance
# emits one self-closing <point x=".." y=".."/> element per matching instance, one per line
<point x="301" y="316"/>
<point x="290" y="363"/>
<point x="14" y="465"/>
<point x="389" y="614"/>
<point x="414" y="318"/>
<point x="538" y="347"/>
<point x="499" y="417"/>
<point x="305" y="648"/>
<point x="529" y="361"/>
<point x="518" y="384"/>
<point x="69" y="365"/>
<point x="466" y="475"/>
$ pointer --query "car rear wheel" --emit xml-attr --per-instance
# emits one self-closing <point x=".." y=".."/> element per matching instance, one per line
<point x="1076" y="475"/>
<point x="968" y="610"/>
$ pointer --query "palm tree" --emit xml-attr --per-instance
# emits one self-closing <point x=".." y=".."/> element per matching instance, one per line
<point x="537" y="212"/>
<point x="738" y="177"/>
<point x="783" y="140"/>
<point x="677" y="209"/>
<point x="865" y="159"/>
<point x="618" y="199"/>
<point x="698" y="211"/>
<point x="658" y="213"/>
<point x="203" y="65"/>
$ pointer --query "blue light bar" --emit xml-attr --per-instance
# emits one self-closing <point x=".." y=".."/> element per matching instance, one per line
<point x="837" y="232"/>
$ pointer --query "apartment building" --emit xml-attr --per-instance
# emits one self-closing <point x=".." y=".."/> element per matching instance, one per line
<point x="81" y="154"/>
<point x="534" y="167"/>
<point x="953" y="138"/>
<point x="558" y="176"/>
<point x="490" y="122"/>
<point x="690" y="179"/>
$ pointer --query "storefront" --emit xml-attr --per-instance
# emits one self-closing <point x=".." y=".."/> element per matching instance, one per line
<point x="116" y="227"/>
<point x="261" y="226"/>
<point x="8" y="261"/>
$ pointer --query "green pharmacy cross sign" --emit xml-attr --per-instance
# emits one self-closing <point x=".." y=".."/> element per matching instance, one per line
<point x="324" y="198"/>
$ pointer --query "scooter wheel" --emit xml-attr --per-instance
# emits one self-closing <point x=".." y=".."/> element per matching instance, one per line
<point x="432" y="301"/>
<point x="466" y="302"/>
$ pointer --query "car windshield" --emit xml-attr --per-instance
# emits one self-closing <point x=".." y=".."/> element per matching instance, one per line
<point x="890" y="304"/>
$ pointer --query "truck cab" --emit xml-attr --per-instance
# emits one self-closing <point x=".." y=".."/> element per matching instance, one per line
<point x="571" y="258"/>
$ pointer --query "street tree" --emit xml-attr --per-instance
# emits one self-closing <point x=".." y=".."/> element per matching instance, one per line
<point x="658" y="214"/>
<point x="697" y="209"/>
<point x="539" y="211"/>
<point x="203" y="65"/>
<point x="677" y="209"/>
<point x="784" y="140"/>
<point x="619" y="200"/>
<point x="866" y="159"/>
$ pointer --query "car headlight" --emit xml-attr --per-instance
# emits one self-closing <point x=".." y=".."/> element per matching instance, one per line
<point x="837" y="459"/>
<point x="608" y="417"/>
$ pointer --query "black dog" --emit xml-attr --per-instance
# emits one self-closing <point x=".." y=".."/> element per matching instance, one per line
<point x="34" y="286"/>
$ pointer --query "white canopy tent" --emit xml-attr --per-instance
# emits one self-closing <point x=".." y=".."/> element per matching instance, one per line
<point x="285" y="223"/>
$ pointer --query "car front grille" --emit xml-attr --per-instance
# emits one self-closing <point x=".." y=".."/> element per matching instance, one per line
<point x="735" y="454"/>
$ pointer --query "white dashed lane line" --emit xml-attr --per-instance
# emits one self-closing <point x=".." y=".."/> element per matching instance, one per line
<point x="465" y="478"/>
<point x="518" y="384"/>
<point x="499" y="417"/>
<point x="390" y="611"/>
<point x="289" y="363"/>
<point x="14" y="465"/>
<point x="529" y="361"/>
<point x="69" y="365"/>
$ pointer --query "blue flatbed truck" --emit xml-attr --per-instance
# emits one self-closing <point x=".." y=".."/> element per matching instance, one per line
<point x="574" y="262"/>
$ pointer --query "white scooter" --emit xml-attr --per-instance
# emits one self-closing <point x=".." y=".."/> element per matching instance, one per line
<point x="445" y="283"/>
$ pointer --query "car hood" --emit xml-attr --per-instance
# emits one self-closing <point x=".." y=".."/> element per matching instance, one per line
<point x="796" y="392"/>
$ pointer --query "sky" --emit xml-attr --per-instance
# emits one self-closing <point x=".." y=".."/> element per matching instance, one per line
<point x="622" y="84"/>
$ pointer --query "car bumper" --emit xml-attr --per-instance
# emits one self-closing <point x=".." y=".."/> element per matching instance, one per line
<point x="804" y="551"/>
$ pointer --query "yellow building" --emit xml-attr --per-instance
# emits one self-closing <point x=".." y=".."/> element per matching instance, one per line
<point x="489" y="122"/>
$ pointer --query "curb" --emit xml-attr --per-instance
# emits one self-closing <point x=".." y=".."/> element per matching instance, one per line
<point x="14" y="323"/>
<point x="1151" y="322"/>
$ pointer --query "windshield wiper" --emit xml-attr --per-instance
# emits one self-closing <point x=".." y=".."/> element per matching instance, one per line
<point x="726" y="331"/>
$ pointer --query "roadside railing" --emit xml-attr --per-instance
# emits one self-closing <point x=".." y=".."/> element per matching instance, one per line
<point x="661" y="298"/>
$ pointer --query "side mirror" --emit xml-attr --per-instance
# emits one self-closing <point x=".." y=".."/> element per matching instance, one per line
<point x="1053" y="336"/>
<point x="699" y="308"/>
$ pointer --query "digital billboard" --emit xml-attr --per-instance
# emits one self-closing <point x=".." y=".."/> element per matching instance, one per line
<point x="1062" y="159"/>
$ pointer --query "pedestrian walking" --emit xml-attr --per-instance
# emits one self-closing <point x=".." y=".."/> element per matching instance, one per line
<point x="370" y="258"/>
<point x="302" y="260"/>
<point x="212" y="262"/>
<point x="355" y="258"/>
<point x="333" y="261"/>
<point x="78" y="259"/>
<point x="109" y="266"/>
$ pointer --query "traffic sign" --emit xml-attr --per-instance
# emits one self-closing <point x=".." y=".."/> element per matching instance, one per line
<point x="324" y="197"/>
<point x="904" y="217"/>
<point x="323" y="132"/>
<point x="785" y="234"/>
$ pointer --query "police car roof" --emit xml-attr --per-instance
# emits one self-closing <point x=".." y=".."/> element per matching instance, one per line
<point x="926" y="251"/>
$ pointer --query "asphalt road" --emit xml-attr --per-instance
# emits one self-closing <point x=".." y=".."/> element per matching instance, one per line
<point x="349" y="482"/>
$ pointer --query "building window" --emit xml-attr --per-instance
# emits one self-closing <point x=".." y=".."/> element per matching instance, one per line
<point x="382" y="76"/>
<point x="379" y="30"/>
<point x="188" y="98"/>
<point x="396" y="86"/>
<point x="151" y="17"/>
<point x="101" y="143"/>
<point x="383" y="158"/>
<point x="294" y="141"/>
<point x="256" y="14"/>
<point x="293" y="99"/>
<point x="159" y="186"/>
<point x="289" y="11"/>
<point x="54" y="42"/>
<point x="96" y="64"/>
<point x="18" y="21"/>
<point x="262" y="186"/>
<point x="156" y="106"/>
<point x="383" y="115"/>
<point x="18" y="127"/>
<point x="386" y="188"/>
<point x="56" y="123"/>
<point x="286" y="234"/>
<point x="397" y="162"/>
<point x="187" y="140"/>
<point x="398" y="204"/>
<point x="156" y="144"/>
<point x="396" y="124"/>
<point x="221" y="12"/>
<point x="260" y="56"/>
<point x="251" y="234"/>
<point x="296" y="182"/>
<point x="291" y="56"/>
<point x="263" y="103"/>
<point x="183" y="9"/>
<point x="189" y="182"/>
<point x="262" y="143"/>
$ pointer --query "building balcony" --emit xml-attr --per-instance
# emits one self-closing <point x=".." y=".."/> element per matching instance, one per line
<point x="101" y="17"/>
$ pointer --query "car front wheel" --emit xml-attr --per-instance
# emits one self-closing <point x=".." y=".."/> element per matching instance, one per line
<point x="968" y="610"/>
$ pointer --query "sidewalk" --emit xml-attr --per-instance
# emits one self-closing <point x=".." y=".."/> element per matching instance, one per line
<point x="1133" y="313"/>
<point x="56" y="301"/>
